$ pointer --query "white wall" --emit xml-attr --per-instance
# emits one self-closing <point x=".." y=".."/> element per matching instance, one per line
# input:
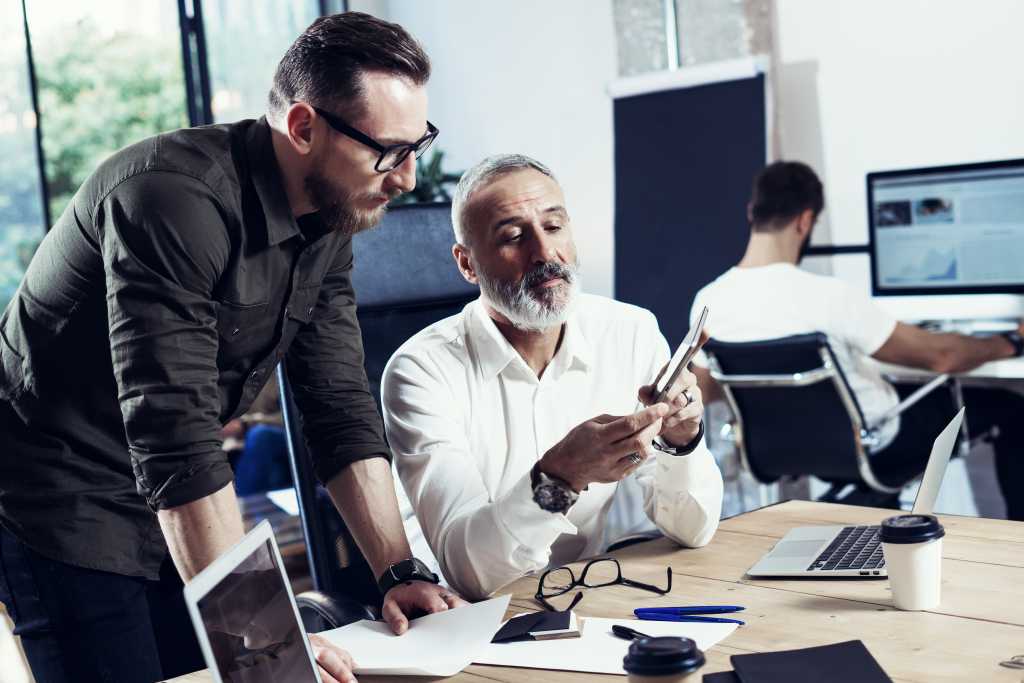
<point x="529" y="77"/>
<point x="862" y="85"/>
<point x="869" y="85"/>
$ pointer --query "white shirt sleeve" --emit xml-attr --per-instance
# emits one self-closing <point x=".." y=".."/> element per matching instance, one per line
<point x="859" y="321"/>
<point x="481" y="543"/>
<point x="682" y="493"/>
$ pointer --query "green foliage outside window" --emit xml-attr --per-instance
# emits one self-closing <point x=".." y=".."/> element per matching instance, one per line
<point x="98" y="94"/>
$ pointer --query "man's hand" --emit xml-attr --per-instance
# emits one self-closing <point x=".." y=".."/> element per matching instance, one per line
<point x="598" y="450"/>
<point x="685" y="408"/>
<point x="336" y="665"/>
<point x="406" y="599"/>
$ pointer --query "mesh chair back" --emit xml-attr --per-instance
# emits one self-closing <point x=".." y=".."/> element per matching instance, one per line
<point x="791" y="430"/>
<point x="405" y="279"/>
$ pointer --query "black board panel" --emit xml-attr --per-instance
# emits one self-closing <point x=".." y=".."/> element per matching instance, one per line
<point x="684" y="163"/>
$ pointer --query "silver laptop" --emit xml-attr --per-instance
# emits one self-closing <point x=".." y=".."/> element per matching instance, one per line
<point x="245" y="616"/>
<point x="830" y="551"/>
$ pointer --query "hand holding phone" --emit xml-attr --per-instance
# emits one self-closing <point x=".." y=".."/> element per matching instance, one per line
<point x="694" y="339"/>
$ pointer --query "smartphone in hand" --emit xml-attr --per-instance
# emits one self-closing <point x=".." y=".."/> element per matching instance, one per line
<point x="681" y="358"/>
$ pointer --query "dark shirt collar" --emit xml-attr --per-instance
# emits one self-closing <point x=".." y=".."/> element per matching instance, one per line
<point x="266" y="177"/>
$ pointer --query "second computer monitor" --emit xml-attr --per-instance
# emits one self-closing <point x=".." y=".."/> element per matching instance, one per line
<point x="948" y="229"/>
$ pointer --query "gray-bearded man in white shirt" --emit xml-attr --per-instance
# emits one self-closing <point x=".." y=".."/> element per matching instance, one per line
<point x="514" y="422"/>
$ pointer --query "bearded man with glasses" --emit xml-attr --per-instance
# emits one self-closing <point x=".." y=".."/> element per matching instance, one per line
<point x="183" y="271"/>
<point x="516" y="423"/>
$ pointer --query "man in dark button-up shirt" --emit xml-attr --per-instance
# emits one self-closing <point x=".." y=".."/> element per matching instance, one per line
<point x="184" y="270"/>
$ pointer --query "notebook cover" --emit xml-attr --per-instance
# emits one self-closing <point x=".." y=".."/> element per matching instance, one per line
<point x="535" y="623"/>
<point x="848" y="662"/>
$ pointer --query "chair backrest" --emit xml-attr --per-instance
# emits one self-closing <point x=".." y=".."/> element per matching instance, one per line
<point x="404" y="278"/>
<point x="796" y="414"/>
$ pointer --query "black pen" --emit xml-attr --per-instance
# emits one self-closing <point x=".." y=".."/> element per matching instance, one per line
<point x="627" y="633"/>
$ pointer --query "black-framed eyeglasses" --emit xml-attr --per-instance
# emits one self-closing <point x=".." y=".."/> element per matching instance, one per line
<point x="561" y="580"/>
<point x="391" y="156"/>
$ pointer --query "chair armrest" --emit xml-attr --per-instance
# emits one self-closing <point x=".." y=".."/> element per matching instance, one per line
<point x="322" y="611"/>
<point x="909" y="401"/>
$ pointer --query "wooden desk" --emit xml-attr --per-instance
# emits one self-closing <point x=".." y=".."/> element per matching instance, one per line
<point x="979" y="623"/>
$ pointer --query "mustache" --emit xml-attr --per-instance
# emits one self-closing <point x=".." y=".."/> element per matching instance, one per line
<point x="547" y="271"/>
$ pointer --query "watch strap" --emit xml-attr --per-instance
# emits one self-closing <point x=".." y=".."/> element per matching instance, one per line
<point x="404" y="571"/>
<point x="664" y="447"/>
<point x="1016" y="341"/>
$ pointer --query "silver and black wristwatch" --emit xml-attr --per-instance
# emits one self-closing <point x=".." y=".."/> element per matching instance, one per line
<point x="406" y="570"/>
<point x="551" y="493"/>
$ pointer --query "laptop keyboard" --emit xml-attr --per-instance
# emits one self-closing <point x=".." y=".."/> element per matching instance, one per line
<point x="854" y="547"/>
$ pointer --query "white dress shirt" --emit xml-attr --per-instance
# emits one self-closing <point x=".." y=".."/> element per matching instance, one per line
<point x="467" y="419"/>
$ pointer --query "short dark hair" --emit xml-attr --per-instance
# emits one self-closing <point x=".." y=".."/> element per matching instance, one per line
<point x="782" y="191"/>
<point x="324" y="65"/>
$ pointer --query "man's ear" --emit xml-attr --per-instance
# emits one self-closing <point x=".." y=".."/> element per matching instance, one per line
<point x="299" y="121"/>
<point x="465" y="263"/>
<point x="805" y="222"/>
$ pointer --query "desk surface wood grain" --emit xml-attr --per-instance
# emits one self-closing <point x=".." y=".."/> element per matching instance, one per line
<point x="979" y="623"/>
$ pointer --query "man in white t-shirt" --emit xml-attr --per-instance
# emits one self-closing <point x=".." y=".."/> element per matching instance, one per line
<point x="767" y="296"/>
<point x="515" y="422"/>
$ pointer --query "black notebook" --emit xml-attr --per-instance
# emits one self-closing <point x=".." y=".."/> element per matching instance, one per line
<point x="848" y="662"/>
<point x="538" y="626"/>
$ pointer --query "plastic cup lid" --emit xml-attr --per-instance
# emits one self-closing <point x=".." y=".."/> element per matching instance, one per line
<point x="910" y="529"/>
<point x="664" y="655"/>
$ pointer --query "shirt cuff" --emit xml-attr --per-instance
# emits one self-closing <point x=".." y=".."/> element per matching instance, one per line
<point x="685" y="474"/>
<point x="327" y="467"/>
<point x="187" y="483"/>
<point x="524" y="521"/>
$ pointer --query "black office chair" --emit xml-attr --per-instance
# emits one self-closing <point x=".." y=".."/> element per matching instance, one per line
<point x="795" y="415"/>
<point x="405" y="279"/>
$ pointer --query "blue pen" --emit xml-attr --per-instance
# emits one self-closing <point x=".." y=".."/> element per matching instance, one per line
<point x="691" y="609"/>
<point x="689" y="613"/>
<point x="648" y="616"/>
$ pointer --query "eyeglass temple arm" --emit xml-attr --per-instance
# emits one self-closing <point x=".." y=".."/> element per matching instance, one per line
<point x="647" y="586"/>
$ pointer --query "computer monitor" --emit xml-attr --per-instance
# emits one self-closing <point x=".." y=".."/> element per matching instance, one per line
<point x="947" y="229"/>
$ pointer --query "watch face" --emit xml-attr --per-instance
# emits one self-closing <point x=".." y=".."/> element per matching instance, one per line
<point x="551" y="497"/>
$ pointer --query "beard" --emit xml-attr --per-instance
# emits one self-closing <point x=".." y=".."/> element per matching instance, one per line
<point x="528" y="306"/>
<point x="337" y="206"/>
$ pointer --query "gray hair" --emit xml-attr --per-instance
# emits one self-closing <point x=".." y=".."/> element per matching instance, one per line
<point x="479" y="177"/>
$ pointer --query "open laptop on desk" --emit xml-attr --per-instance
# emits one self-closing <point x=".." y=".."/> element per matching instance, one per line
<point x="845" y="551"/>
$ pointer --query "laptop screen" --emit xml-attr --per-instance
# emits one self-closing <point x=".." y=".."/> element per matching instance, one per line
<point x="252" y="628"/>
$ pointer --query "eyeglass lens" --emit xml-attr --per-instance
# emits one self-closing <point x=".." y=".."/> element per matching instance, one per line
<point x="603" y="572"/>
<point x="394" y="157"/>
<point x="557" y="581"/>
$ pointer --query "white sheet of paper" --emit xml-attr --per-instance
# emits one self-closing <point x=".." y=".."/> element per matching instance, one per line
<point x="441" y="644"/>
<point x="285" y="499"/>
<point x="596" y="650"/>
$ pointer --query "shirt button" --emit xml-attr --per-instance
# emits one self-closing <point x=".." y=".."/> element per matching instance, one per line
<point x="309" y="311"/>
<point x="235" y="331"/>
<point x="287" y="310"/>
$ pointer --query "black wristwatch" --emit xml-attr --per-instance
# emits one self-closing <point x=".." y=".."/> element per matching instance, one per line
<point x="662" y="446"/>
<point x="550" y="493"/>
<point x="1017" y="341"/>
<point x="403" y="572"/>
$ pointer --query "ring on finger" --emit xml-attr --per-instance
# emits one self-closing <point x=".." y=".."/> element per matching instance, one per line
<point x="689" y="397"/>
<point x="635" y="458"/>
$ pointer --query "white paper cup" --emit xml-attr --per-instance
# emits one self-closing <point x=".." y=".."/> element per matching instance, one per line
<point x="912" y="547"/>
